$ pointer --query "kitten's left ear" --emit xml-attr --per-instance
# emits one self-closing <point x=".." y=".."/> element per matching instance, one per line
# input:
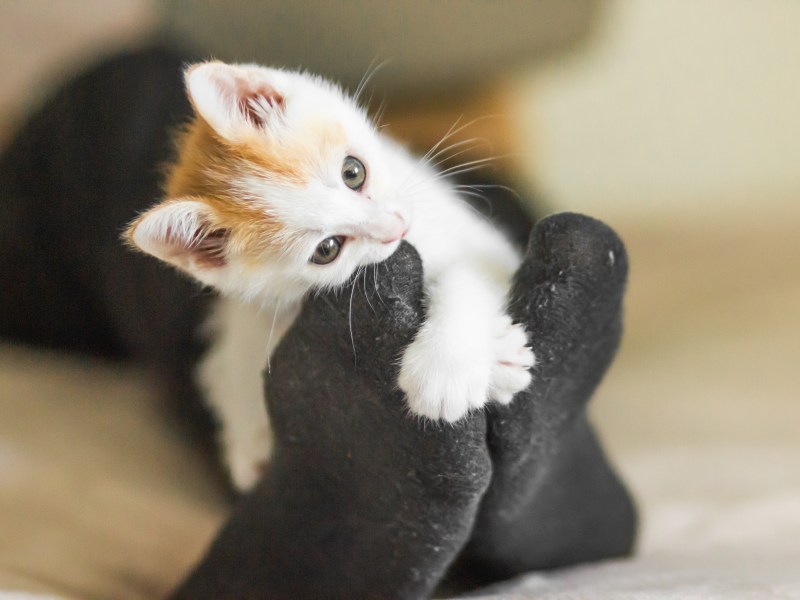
<point x="233" y="99"/>
<point x="184" y="233"/>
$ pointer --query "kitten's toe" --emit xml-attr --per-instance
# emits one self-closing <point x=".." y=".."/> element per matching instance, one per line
<point x="445" y="397"/>
<point x="440" y="388"/>
<point x="248" y="458"/>
<point x="456" y="403"/>
<point x="513" y="361"/>
<point x="507" y="380"/>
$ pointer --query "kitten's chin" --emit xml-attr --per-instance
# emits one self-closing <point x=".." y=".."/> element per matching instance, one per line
<point x="268" y="292"/>
<point x="383" y="252"/>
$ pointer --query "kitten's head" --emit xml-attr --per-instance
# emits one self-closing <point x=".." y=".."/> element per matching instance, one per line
<point x="281" y="185"/>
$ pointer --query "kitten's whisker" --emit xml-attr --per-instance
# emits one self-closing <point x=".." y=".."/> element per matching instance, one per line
<point x="456" y="173"/>
<point x="472" y="163"/>
<point x="470" y="166"/>
<point x="444" y="158"/>
<point x="437" y="150"/>
<point x="455" y="129"/>
<point x="480" y="186"/>
<point x="474" y="194"/>
<point x="474" y="190"/>
<point x="350" y="317"/>
<point x="452" y="156"/>
<point x="379" y="114"/>
<point x="269" y="340"/>
<point x="366" y="294"/>
<point x="368" y="74"/>
<point x="473" y="140"/>
<point x="450" y="132"/>
<point x="485" y="200"/>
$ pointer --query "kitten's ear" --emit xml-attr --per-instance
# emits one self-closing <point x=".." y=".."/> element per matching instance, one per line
<point x="232" y="98"/>
<point x="182" y="233"/>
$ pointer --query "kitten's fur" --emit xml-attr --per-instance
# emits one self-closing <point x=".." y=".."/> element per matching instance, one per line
<point x="258" y="185"/>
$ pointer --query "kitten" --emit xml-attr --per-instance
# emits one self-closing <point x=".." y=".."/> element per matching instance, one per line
<point x="282" y="185"/>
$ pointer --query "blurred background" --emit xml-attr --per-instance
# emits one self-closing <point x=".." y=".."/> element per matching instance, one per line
<point x="675" y="122"/>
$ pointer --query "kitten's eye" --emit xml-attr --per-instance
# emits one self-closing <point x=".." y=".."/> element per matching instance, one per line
<point x="353" y="173"/>
<point x="327" y="251"/>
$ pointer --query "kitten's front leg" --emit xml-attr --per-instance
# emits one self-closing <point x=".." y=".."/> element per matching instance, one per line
<point x="466" y="352"/>
<point x="231" y="376"/>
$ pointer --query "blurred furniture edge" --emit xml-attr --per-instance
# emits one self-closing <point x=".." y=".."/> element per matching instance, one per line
<point x="438" y="63"/>
<point x="430" y="47"/>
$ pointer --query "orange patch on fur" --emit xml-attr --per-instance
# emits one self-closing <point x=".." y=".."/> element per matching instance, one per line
<point x="207" y="164"/>
<point x="208" y="167"/>
<point x="329" y="136"/>
<point x="283" y="163"/>
<point x="205" y="168"/>
<point x="253" y="231"/>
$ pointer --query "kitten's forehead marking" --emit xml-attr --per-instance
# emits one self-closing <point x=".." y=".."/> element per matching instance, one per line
<point x="330" y="134"/>
<point x="283" y="162"/>
<point x="293" y="159"/>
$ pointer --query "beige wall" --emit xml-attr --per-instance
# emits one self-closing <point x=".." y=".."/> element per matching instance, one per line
<point x="679" y="105"/>
<point x="673" y="106"/>
<point x="43" y="41"/>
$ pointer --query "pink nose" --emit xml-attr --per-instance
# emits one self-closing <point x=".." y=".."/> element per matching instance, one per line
<point x="395" y="228"/>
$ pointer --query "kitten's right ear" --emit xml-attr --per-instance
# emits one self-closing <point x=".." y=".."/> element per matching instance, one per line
<point x="233" y="99"/>
<point x="183" y="233"/>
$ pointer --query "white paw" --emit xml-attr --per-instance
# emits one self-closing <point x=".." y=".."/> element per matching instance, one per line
<point x="247" y="457"/>
<point x="441" y="384"/>
<point x="513" y="360"/>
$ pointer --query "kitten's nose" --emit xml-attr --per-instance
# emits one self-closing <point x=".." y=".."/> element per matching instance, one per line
<point x="392" y="229"/>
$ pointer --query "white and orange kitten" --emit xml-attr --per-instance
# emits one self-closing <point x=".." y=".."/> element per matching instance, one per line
<point x="283" y="185"/>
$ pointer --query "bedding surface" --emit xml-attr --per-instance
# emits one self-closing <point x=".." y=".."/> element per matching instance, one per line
<point x="100" y="497"/>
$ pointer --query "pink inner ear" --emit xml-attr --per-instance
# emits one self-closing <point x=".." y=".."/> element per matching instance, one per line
<point x="255" y="104"/>
<point x="206" y="249"/>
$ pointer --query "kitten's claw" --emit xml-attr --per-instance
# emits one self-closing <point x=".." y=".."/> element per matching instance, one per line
<point x="513" y="361"/>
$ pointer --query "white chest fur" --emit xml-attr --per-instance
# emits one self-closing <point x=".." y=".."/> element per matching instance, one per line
<point x="231" y="377"/>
